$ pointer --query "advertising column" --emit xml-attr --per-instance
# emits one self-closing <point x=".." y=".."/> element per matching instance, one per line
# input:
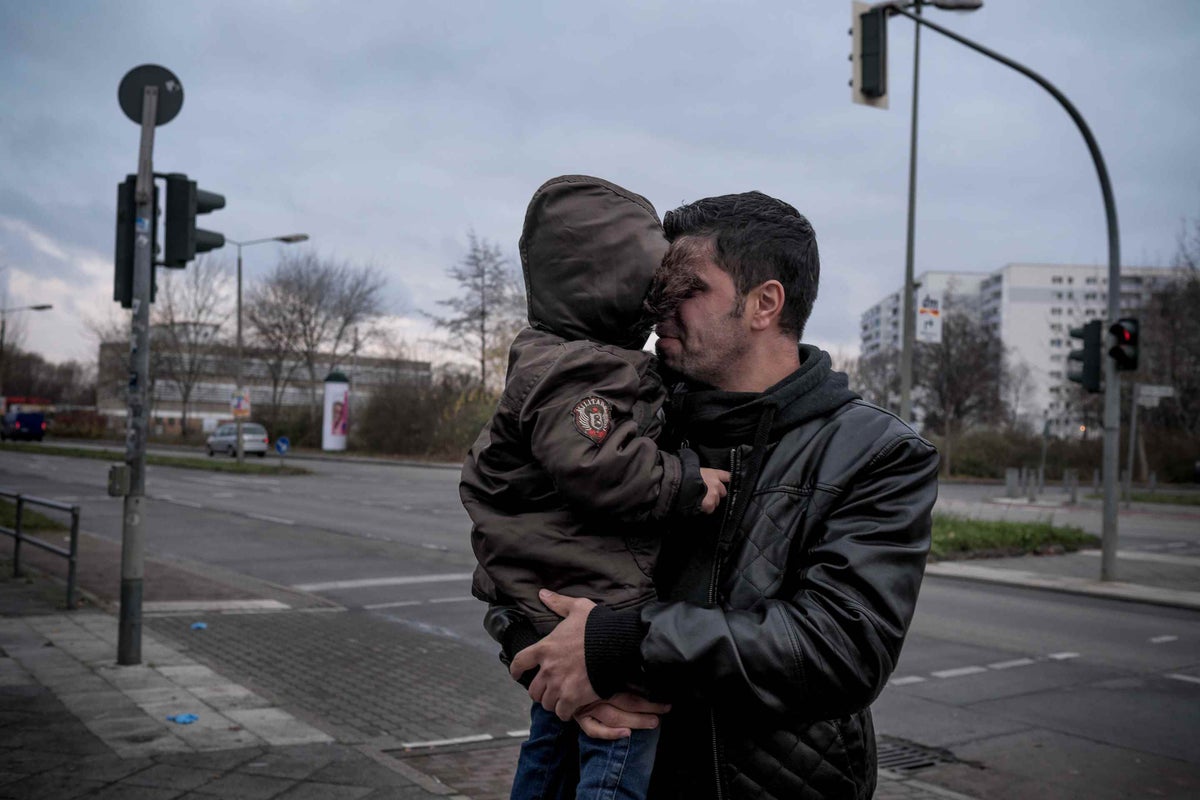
<point x="336" y="419"/>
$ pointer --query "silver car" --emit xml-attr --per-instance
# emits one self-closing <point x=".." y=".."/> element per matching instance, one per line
<point x="254" y="439"/>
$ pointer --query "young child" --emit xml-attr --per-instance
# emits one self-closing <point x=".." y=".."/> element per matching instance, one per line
<point x="565" y="483"/>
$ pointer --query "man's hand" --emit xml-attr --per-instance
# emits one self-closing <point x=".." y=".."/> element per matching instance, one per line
<point x="616" y="717"/>
<point x="715" y="489"/>
<point x="561" y="685"/>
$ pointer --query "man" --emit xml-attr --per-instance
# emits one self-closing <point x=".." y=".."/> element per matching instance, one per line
<point x="780" y="617"/>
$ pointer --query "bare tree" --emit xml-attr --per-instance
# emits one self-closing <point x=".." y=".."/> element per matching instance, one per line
<point x="1170" y="339"/>
<point x="192" y="306"/>
<point x="877" y="378"/>
<point x="489" y="310"/>
<point x="960" y="380"/>
<point x="303" y="313"/>
<point x="1018" y="383"/>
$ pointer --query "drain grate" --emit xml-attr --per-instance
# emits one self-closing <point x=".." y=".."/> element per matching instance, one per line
<point x="900" y="755"/>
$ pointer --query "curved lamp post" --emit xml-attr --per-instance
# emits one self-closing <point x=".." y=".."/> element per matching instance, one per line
<point x="1112" y="387"/>
<point x="291" y="238"/>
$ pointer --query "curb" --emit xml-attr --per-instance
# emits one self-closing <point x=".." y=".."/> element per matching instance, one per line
<point x="1110" y="590"/>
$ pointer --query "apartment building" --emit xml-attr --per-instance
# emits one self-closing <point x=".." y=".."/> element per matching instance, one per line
<point x="1032" y="307"/>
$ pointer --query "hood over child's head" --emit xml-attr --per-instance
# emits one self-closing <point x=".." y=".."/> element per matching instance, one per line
<point x="589" y="250"/>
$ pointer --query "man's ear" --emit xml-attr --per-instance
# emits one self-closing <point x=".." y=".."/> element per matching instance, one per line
<point x="766" y="304"/>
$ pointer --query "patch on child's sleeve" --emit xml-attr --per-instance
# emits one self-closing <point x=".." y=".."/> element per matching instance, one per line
<point x="593" y="418"/>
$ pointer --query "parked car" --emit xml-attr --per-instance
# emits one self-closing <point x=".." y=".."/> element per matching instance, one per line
<point x="23" y="425"/>
<point x="224" y="439"/>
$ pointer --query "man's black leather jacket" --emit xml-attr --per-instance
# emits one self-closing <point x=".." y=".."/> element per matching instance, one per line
<point x="809" y="584"/>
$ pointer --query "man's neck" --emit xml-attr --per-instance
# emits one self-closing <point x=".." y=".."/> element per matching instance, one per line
<point x="765" y="365"/>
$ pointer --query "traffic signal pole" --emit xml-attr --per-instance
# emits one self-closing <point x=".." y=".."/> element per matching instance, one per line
<point x="1112" y="385"/>
<point x="129" y="635"/>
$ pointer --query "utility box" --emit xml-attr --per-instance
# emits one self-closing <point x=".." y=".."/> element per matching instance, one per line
<point x="118" y="480"/>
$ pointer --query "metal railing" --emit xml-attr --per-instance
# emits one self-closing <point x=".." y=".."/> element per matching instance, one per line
<point x="20" y="537"/>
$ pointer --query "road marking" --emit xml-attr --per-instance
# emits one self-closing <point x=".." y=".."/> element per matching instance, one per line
<point x="185" y="606"/>
<point x="1062" y="656"/>
<point x="269" y="518"/>
<point x="1016" y="662"/>
<point x="958" y="672"/>
<point x="1164" y="639"/>
<point x="450" y="599"/>
<point x="1187" y="678"/>
<point x="439" y="547"/>
<point x="518" y="734"/>
<point x="479" y="737"/>
<point x="399" y="580"/>
<point x="184" y="503"/>
<point x="399" y="604"/>
<point x="906" y="680"/>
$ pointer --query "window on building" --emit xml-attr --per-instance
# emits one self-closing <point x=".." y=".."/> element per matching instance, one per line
<point x="1058" y="296"/>
<point x="1056" y="342"/>
<point x="1090" y="281"/>
<point x="1070" y="311"/>
<point x="1056" y="279"/>
<point x="1056" y="326"/>
<point x="1070" y="279"/>
<point x="1056" y="357"/>
<point x="1056" y="312"/>
<point x="1056" y="373"/>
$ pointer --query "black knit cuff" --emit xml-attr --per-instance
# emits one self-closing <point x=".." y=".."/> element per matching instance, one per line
<point x="612" y="642"/>
<point x="517" y="636"/>
<point x="692" y="488"/>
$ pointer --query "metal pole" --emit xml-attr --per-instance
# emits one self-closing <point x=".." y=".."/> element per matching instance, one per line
<point x="129" y="631"/>
<point x="17" y="537"/>
<point x="241" y="449"/>
<point x="1133" y="410"/>
<point x="72" y="558"/>
<point x="908" y="322"/>
<point x="1112" y="379"/>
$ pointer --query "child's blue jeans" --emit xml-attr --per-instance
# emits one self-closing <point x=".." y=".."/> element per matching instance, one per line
<point x="559" y="761"/>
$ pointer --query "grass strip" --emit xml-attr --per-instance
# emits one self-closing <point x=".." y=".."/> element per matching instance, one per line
<point x="30" y="519"/>
<point x="185" y="462"/>
<point x="1166" y="498"/>
<point x="957" y="537"/>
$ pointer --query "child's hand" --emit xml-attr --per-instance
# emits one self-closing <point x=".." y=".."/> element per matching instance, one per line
<point x="714" y="483"/>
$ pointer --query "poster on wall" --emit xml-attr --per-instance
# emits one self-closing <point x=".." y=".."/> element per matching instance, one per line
<point x="336" y="419"/>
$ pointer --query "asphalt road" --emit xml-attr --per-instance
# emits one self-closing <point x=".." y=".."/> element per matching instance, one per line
<point x="1055" y="695"/>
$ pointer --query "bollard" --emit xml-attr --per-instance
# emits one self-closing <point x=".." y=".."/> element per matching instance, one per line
<point x="1095" y="481"/>
<point x="1041" y="480"/>
<point x="1010" y="482"/>
<point x="1031" y="484"/>
<point x="1074" y="485"/>
<point x="1153" y="487"/>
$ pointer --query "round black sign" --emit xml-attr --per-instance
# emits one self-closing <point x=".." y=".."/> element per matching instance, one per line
<point x="131" y="91"/>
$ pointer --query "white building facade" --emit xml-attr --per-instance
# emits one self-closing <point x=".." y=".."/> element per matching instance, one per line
<point x="1033" y="308"/>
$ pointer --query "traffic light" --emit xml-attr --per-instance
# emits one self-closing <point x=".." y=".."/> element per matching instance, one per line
<point x="126" y="232"/>
<point x="1083" y="366"/>
<point x="183" y="239"/>
<point x="1125" y="351"/>
<point x="869" y="31"/>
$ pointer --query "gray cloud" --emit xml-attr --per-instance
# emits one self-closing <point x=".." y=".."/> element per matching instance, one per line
<point x="387" y="130"/>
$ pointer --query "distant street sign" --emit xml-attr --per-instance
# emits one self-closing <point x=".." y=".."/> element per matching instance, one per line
<point x="132" y="88"/>
<point x="282" y="444"/>
<point x="1155" y="391"/>
<point x="929" y="318"/>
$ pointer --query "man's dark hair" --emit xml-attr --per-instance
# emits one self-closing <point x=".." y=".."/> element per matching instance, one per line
<point x="756" y="238"/>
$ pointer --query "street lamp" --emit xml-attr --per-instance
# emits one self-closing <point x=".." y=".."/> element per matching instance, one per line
<point x="291" y="238"/>
<point x="4" y="312"/>
<point x="909" y="329"/>
<point x="1112" y="378"/>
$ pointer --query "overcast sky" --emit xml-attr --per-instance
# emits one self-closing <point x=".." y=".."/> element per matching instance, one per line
<point x="387" y="130"/>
